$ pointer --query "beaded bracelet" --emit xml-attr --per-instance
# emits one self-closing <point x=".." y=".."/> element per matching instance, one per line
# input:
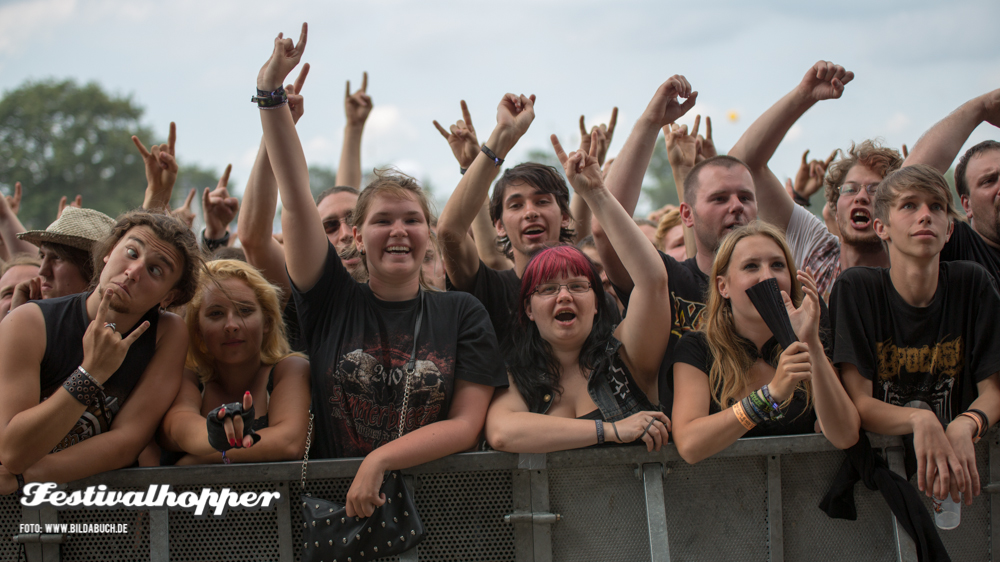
<point x="742" y="417"/>
<point x="600" y="431"/>
<point x="82" y="386"/>
<point x="270" y="100"/>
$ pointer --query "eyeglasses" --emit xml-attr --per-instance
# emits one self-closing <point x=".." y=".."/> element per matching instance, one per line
<point x="552" y="289"/>
<point x="851" y="189"/>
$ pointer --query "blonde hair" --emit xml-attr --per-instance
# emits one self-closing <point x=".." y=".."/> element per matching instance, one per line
<point x="669" y="220"/>
<point x="274" y="346"/>
<point x="729" y="374"/>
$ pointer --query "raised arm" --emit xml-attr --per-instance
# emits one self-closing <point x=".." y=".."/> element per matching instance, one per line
<point x="255" y="223"/>
<point x="357" y="107"/>
<point x="464" y="145"/>
<point x="823" y="81"/>
<point x="461" y="259"/>
<point x="302" y="228"/>
<point x="625" y="178"/>
<point x="643" y="339"/>
<point x="161" y="171"/>
<point x="940" y="145"/>
<point x="10" y="225"/>
<point x="577" y="206"/>
<point x="219" y="208"/>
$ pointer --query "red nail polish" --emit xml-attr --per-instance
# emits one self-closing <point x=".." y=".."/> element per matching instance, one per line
<point x="247" y="393"/>
<point x="232" y="442"/>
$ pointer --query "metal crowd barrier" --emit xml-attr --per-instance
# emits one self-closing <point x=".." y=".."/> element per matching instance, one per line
<point x="757" y="500"/>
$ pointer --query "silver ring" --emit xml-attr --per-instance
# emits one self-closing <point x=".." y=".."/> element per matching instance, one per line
<point x="111" y="325"/>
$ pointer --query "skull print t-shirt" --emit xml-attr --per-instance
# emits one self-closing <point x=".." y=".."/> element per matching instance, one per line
<point x="358" y="346"/>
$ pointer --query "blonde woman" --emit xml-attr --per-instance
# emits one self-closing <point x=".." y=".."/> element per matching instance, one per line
<point x="239" y="353"/>
<point x="731" y="379"/>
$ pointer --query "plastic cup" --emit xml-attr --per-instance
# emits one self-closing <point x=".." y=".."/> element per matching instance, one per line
<point x="947" y="513"/>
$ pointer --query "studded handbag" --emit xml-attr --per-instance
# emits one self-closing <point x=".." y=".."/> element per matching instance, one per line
<point x="394" y="527"/>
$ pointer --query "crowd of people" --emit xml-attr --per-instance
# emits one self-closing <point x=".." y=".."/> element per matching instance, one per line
<point x="525" y="320"/>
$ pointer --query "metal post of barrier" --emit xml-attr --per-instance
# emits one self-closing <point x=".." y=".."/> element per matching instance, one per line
<point x="159" y="535"/>
<point x="524" y="549"/>
<point x="656" y="512"/>
<point x="775" y="520"/>
<point x="541" y="532"/>
<point x="286" y="552"/>
<point x="906" y="549"/>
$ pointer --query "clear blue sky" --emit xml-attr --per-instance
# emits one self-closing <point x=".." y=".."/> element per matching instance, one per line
<point x="196" y="63"/>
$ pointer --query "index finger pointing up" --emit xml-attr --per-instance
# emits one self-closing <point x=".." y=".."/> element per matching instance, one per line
<point x="301" y="80"/>
<point x="224" y="180"/>
<point x="560" y="153"/>
<point x="466" y="115"/>
<point x="364" y="82"/>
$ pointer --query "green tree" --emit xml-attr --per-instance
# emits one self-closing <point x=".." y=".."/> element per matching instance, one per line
<point x="321" y="178"/>
<point x="58" y="138"/>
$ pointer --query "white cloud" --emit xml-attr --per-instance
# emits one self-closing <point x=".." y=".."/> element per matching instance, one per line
<point x="897" y="123"/>
<point x="22" y="22"/>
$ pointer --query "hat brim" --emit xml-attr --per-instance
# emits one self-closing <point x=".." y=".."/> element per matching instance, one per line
<point x="38" y="237"/>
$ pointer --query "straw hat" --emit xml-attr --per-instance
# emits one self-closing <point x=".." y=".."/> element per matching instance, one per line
<point x="78" y="228"/>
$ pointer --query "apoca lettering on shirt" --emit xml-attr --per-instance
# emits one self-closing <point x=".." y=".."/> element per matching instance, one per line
<point x="944" y="358"/>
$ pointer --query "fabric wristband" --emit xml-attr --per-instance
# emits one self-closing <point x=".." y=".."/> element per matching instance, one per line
<point x="496" y="159"/>
<point x="800" y="199"/>
<point x="270" y="100"/>
<point x="756" y="414"/>
<point x="984" y="418"/>
<point x="600" y="431"/>
<point x="742" y="417"/>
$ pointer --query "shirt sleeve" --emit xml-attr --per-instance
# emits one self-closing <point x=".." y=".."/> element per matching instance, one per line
<point x="477" y="356"/>
<point x="813" y="246"/>
<point x="334" y="287"/>
<point x="853" y="336"/>
<point x="692" y="349"/>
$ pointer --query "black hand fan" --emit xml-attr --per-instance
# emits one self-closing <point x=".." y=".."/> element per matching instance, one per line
<point x="766" y="298"/>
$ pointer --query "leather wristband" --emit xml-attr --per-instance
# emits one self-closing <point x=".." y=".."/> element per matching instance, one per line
<point x="799" y="199"/>
<point x="213" y="244"/>
<point x="82" y="386"/>
<point x="600" y="431"/>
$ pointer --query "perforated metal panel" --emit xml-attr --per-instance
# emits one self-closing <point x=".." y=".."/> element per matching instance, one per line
<point x="133" y="546"/>
<point x="240" y="535"/>
<point x="717" y="509"/>
<point x="603" y="514"/>
<point x="971" y="539"/>
<point x="10" y="521"/>
<point x="811" y="535"/>
<point x="462" y="514"/>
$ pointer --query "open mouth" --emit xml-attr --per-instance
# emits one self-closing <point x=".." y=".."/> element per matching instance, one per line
<point x="398" y="250"/>
<point x="566" y="316"/>
<point x="861" y="218"/>
<point x="534" y="231"/>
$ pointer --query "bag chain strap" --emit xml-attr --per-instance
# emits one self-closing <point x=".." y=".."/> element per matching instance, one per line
<point x="305" y="457"/>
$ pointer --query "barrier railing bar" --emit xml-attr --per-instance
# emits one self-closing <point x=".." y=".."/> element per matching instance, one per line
<point x="775" y="521"/>
<point x="541" y="533"/>
<point x="656" y="512"/>
<point x="906" y="549"/>
<point x="524" y="550"/>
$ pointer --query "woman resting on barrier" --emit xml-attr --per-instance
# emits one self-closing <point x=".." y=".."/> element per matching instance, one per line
<point x="575" y="378"/>
<point x="729" y="379"/>
<point x="240" y="370"/>
<point x="387" y="351"/>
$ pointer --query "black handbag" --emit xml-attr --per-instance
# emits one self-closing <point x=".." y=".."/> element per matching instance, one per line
<point x="393" y="528"/>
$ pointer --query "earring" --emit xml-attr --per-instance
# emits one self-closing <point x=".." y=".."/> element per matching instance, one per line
<point x="361" y="251"/>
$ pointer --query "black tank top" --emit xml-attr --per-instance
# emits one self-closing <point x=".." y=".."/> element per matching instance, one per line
<point x="65" y="323"/>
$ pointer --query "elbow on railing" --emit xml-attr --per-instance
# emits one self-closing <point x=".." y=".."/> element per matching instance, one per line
<point x="690" y="453"/>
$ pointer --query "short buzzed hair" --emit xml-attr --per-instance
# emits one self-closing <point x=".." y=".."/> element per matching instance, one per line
<point x="919" y="178"/>
<point x="692" y="183"/>
<point x="961" y="182"/>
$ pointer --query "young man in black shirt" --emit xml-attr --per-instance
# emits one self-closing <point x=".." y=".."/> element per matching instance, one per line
<point x="529" y="208"/>
<point x="915" y="343"/>
<point x="106" y="365"/>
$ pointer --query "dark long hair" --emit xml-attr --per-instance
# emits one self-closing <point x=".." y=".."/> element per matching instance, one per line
<point x="529" y="359"/>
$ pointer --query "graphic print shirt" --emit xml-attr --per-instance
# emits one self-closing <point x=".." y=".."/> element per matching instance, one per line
<point x="929" y="357"/>
<point x="358" y="345"/>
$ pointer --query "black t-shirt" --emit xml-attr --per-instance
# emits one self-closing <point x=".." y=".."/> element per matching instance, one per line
<point x="966" y="244"/>
<point x="66" y="321"/>
<point x="799" y="418"/>
<point x="498" y="291"/>
<point x="687" y="284"/>
<point x="931" y="356"/>
<point x="358" y="345"/>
